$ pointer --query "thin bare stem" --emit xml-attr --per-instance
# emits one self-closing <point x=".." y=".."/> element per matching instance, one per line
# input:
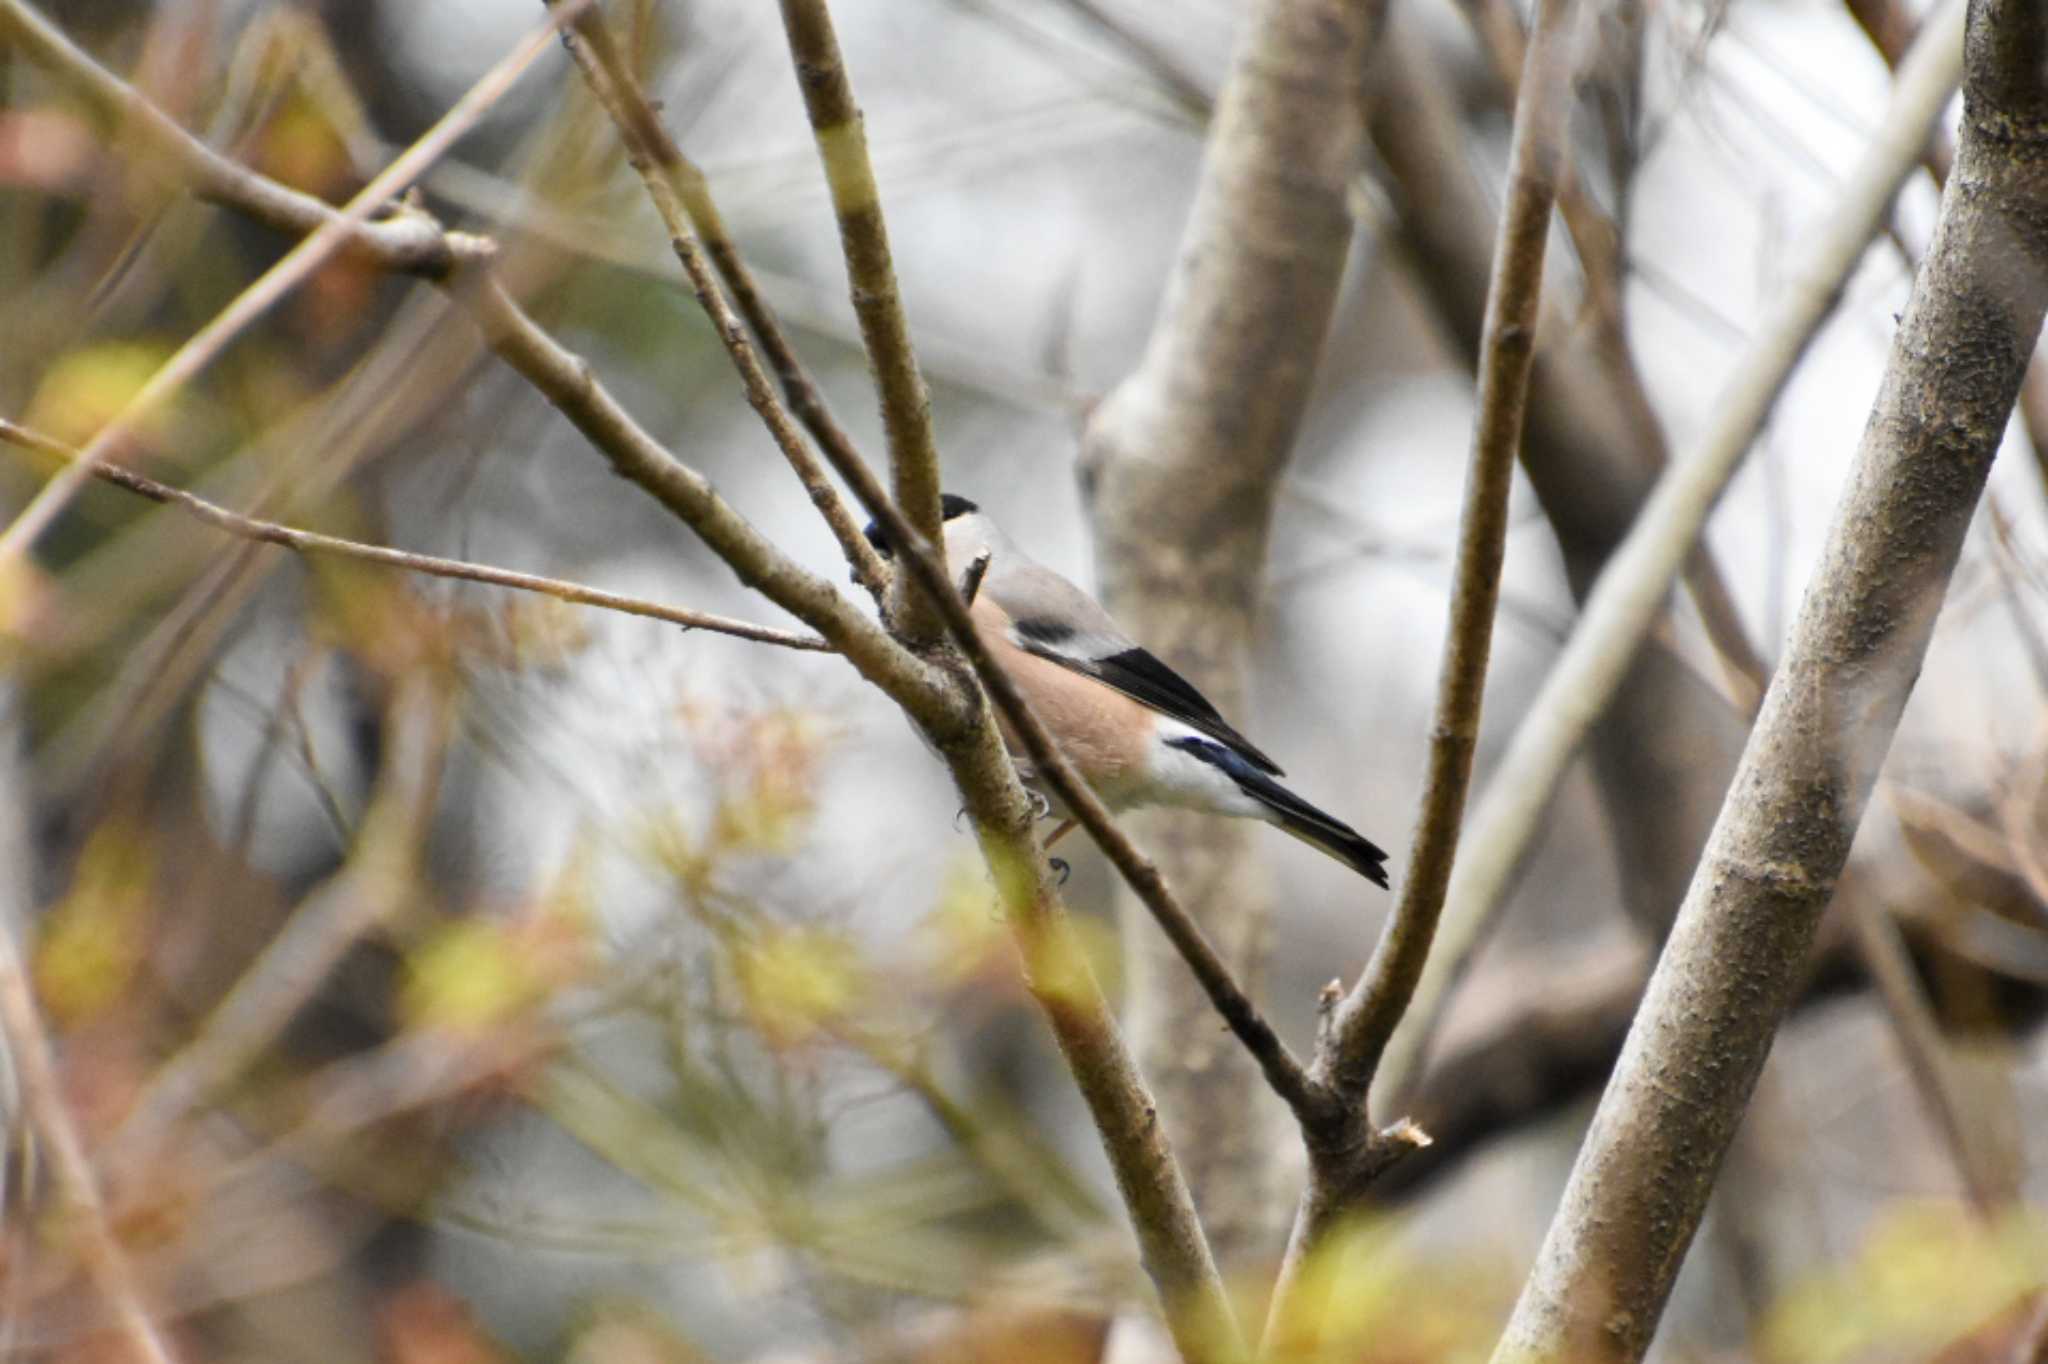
<point x="407" y="243"/>
<point x="1175" y="1251"/>
<point x="369" y="888"/>
<point x="871" y="276"/>
<point x="1881" y="947"/>
<point x="682" y="199"/>
<point x="313" y="542"/>
<point x="198" y="351"/>
<point x="43" y="1099"/>
<point x="1631" y="591"/>
<point x="1376" y="1003"/>
<point x="316" y="543"/>
<point x="1356" y="1033"/>
<point x="566" y="381"/>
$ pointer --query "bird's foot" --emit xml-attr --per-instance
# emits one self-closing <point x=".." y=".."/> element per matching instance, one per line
<point x="1041" y="804"/>
<point x="1060" y="869"/>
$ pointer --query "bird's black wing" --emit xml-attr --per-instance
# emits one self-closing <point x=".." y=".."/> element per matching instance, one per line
<point x="1137" y="673"/>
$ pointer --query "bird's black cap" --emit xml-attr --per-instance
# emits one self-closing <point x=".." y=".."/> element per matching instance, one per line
<point x="950" y="506"/>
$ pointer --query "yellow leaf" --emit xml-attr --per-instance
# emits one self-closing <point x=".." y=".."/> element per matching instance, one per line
<point x="88" y="387"/>
<point x="798" y="981"/>
<point x="469" y="976"/>
<point x="1925" y="1274"/>
<point x="93" y="939"/>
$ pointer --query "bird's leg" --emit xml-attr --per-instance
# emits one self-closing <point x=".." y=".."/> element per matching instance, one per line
<point x="1066" y="827"/>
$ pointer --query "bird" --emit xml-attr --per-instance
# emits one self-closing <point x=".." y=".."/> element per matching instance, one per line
<point x="1139" y="732"/>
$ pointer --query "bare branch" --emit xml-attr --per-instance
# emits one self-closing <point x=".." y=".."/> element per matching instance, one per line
<point x="273" y="284"/>
<point x="1631" y="590"/>
<point x="1738" y="948"/>
<point x="313" y="542"/>
<point x="567" y="382"/>
<point x="871" y="276"/>
<point x="1175" y="1251"/>
<point x="1342" y="1157"/>
<point x="42" y="1097"/>
<point x="1366" y="1019"/>
<point x="1179" y="469"/>
<point x="682" y="198"/>
<point x="370" y="887"/>
<point x="406" y="243"/>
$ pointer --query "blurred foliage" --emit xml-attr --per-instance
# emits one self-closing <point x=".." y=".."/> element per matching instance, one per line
<point x="441" y="976"/>
<point x="1922" y="1276"/>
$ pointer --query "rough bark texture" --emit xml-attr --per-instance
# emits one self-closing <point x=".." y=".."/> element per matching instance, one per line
<point x="1736" y="951"/>
<point x="1179" y="464"/>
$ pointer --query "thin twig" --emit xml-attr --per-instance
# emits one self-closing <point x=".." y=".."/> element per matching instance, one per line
<point x="871" y="276"/>
<point x="1736" y="953"/>
<point x="272" y="285"/>
<point x="406" y="244"/>
<point x="1348" y="1053"/>
<point x="1310" y="1101"/>
<point x="1630" y="593"/>
<point x="682" y="199"/>
<point x="1882" y="949"/>
<point x="42" y="1097"/>
<point x="1162" y="1211"/>
<point x="1507" y="351"/>
<point x="370" y="887"/>
<point x="566" y="380"/>
<point x="312" y="542"/>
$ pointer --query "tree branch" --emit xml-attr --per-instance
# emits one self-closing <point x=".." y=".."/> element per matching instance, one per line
<point x="1342" y="1157"/>
<point x="42" y="1100"/>
<point x="1737" y="950"/>
<point x="1175" y="1251"/>
<point x="199" y="350"/>
<point x="313" y="542"/>
<point x="1179" y="468"/>
<point x="1631" y="589"/>
<point x="871" y="276"/>
<point x="682" y="198"/>
<point x="566" y="381"/>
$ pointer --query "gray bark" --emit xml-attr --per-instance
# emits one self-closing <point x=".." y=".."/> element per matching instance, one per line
<point x="1180" y="464"/>
<point x="1735" y="954"/>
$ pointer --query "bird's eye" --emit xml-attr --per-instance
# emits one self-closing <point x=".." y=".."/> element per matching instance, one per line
<point x="879" y="538"/>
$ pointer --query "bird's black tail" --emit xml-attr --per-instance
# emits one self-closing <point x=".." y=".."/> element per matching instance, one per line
<point x="1295" y="815"/>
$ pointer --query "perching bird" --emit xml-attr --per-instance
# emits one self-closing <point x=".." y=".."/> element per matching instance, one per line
<point x="1137" y="730"/>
